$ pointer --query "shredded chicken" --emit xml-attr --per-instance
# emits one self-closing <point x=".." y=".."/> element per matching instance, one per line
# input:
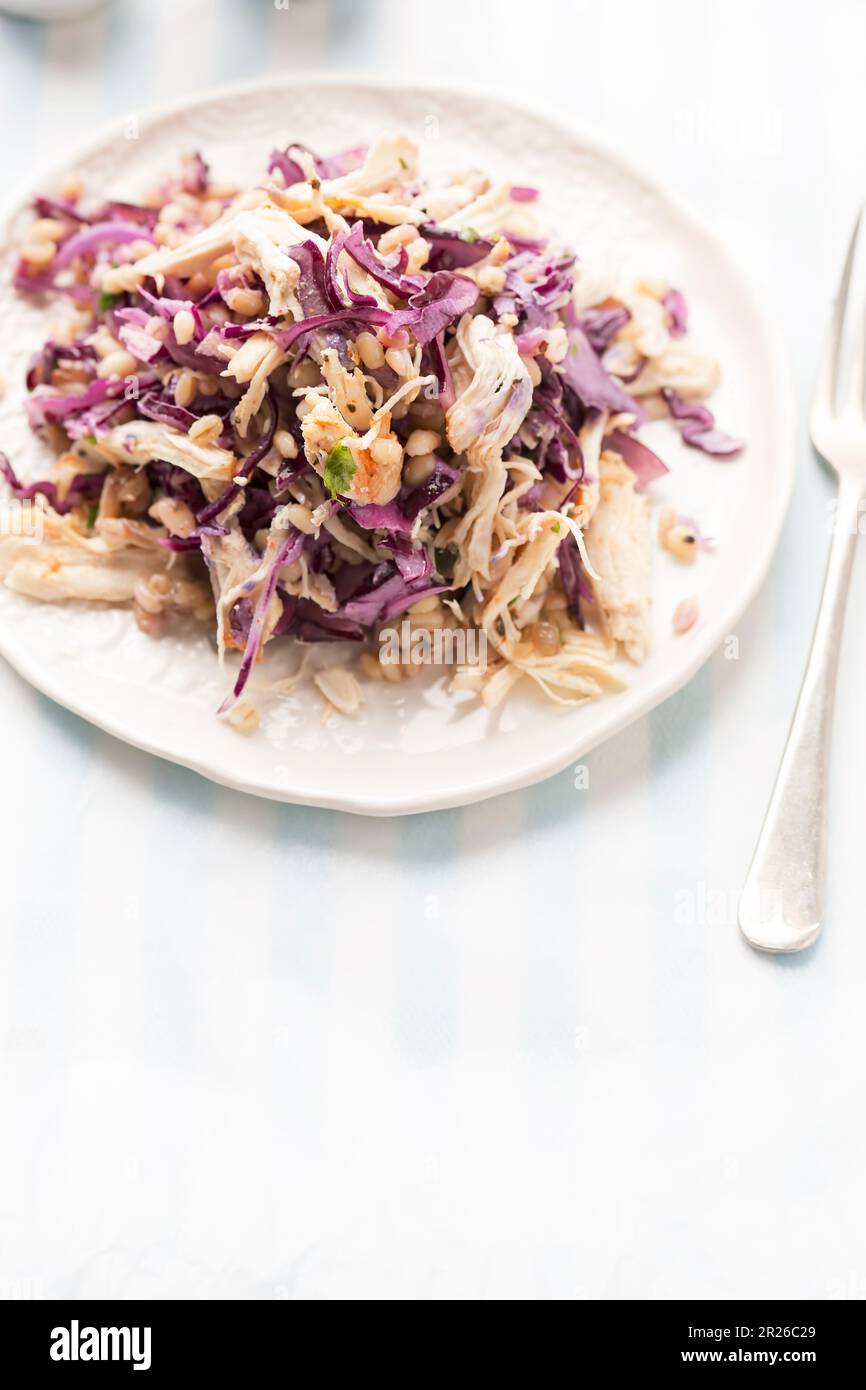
<point x="378" y="189"/>
<point x="258" y="238"/>
<point x="254" y="363"/>
<point x="485" y="417"/>
<point x="691" y="374"/>
<point x="488" y="213"/>
<point x="233" y="565"/>
<point x="140" y="441"/>
<point x="377" y="454"/>
<point x="68" y="565"/>
<point x="619" y="550"/>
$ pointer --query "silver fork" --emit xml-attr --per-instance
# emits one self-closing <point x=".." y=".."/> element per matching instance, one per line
<point x="781" y="908"/>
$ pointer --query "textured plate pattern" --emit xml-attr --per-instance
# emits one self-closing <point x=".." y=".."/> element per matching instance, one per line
<point x="414" y="748"/>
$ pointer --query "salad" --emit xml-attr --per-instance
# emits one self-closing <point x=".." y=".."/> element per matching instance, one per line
<point x="347" y="397"/>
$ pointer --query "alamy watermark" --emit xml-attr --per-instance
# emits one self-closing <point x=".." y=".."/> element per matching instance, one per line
<point x="705" y="904"/>
<point x="24" y="519"/>
<point x="77" y="1343"/>
<point x="441" y="646"/>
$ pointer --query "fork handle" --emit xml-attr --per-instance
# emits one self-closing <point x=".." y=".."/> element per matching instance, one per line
<point x="781" y="907"/>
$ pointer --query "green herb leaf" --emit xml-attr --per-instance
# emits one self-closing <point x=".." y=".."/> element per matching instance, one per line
<point x="403" y="164"/>
<point x="468" y="234"/>
<point x="556" y="528"/>
<point x="108" y="301"/>
<point x="92" y="514"/>
<point x="340" y="469"/>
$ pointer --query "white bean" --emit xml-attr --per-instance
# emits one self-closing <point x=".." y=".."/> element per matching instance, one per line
<point x="286" y="444"/>
<point x="370" y="350"/>
<point x="184" y="327"/>
<point x="121" y="363"/>
<point x="422" y="442"/>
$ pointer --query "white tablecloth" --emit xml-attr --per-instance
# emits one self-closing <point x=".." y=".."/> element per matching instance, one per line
<point x="517" y="1050"/>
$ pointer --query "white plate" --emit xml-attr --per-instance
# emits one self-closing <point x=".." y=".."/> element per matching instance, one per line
<point x="414" y="748"/>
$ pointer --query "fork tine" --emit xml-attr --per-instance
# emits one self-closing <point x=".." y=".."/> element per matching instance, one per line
<point x="827" y="385"/>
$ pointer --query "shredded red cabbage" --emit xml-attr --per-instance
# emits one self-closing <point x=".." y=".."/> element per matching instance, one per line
<point x="289" y="168"/>
<point x="84" y="487"/>
<point x="304" y="327"/>
<point x="601" y="325"/>
<point x="135" y="337"/>
<point x="247" y="468"/>
<point x="128" y="212"/>
<point x="547" y="430"/>
<point x="412" y="559"/>
<point x="332" y="167"/>
<point x="287" y="553"/>
<point x="388" y="274"/>
<point x="389" y="598"/>
<point x="99" y="234"/>
<point x="646" y="465"/>
<point x="678" y="312"/>
<point x="336" y="165"/>
<point x="444" y="298"/>
<point x="176" y="482"/>
<point x="181" y="544"/>
<point x="56" y="410"/>
<point x="443" y="372"/>
<point x="540" y="301"/>
<point x="97" y="419"/>
<point x="575" y="584"/>
<point x="451" y="250"/>
<point x="313" y="295"/>
<point x="154" y="406"/>
<point x="59" y="208"/>
<point x="341" y="296"/>
<point x="400" y="515"/>
<point x="698" y="427"/>
<point x="41" y="365"/>
<point x="194" y="175"/>
<point x="594" y="387"/>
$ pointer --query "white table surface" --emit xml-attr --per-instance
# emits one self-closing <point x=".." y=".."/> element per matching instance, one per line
<point x="514" y="1051"/>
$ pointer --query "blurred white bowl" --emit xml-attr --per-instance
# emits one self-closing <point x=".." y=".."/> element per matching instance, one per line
<point x="50" y="9"/>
